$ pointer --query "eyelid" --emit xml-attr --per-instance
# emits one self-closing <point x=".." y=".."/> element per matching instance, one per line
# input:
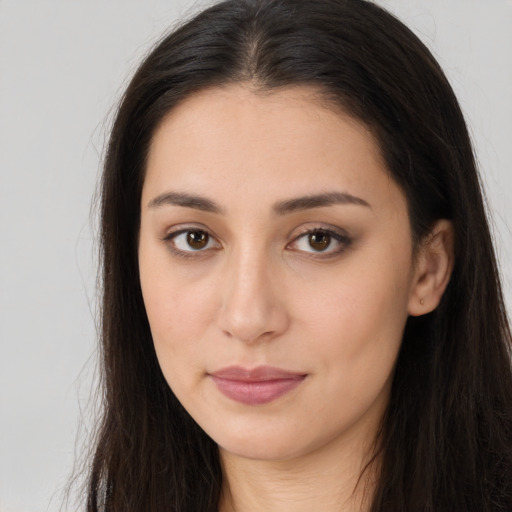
<point x="338" y="234"/>
<point x="174" y="232"/>
<point x="343" y="239"/>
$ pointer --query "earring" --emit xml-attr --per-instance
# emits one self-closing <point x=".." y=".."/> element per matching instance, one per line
<point x="422" y="302"/>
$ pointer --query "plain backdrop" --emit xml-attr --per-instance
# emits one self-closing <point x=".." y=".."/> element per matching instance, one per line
<point x="63" y="66"/>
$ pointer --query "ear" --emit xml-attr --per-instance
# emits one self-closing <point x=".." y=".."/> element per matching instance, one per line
<point x="433" y="269"/>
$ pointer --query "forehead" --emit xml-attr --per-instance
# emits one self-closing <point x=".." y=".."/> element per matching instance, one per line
<point x="238" y="143"/>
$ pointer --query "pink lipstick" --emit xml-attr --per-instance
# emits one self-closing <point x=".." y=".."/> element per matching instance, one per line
<point x="258" y="386"/>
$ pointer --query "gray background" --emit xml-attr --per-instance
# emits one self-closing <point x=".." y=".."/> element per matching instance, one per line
<point x="62" y="67"/>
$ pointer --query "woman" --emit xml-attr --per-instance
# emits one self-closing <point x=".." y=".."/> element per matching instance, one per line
<point x="301" y="305"/>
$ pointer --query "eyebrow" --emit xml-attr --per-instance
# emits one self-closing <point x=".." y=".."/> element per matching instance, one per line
<point x="186" y="200"/>
<point x="318" y="201"/>
<point x="281" y="208"/>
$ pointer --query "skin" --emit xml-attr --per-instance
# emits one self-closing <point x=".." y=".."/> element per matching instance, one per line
<point x="259" y="293"/>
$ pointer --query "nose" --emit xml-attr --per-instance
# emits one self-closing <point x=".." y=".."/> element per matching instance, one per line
<point x="253" y="306"/>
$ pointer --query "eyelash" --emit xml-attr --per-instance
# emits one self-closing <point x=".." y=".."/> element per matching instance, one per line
<point x="341" y="238"/>
<point x="170" y="238"/>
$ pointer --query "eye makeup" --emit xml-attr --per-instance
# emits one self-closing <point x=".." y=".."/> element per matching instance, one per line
<point x="317" y="241"/>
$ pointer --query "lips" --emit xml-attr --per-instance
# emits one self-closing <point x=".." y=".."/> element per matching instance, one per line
<point x="256" y="386"/>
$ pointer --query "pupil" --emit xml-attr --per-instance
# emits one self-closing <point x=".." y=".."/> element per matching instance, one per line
<point x="197" y="239"/>
<point x="319" y="241"/>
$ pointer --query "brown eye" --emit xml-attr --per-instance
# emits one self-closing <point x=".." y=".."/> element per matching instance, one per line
<point x="319" y="240"/>
<point x="190" y="241"/>
<point x="197" y="239"/>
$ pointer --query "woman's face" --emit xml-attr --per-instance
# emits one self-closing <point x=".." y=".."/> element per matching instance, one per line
<point x="276" y="266"/>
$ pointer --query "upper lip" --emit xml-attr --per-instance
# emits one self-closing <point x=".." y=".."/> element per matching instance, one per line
<point x="258" y="374"/>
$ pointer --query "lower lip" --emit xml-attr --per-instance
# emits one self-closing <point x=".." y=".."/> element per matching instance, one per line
<point x="256" y="393"/>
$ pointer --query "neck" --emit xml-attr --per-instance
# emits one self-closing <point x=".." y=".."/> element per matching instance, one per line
<point x="331" y="479"/>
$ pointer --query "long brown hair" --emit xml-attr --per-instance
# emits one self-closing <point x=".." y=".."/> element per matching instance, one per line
<point x="446" y="437"/>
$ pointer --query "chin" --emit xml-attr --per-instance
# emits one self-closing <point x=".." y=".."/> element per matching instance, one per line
<point x="273" y="443"/>
<point x="267" y="450"/>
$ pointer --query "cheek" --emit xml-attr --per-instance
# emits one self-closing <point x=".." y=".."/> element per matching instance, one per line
<point x="178" y="322"/>
<point x="356" y="295"/>
<point x="178" y="313"/>
<point x="181" y="309"/>
<point x="358" y="318"/>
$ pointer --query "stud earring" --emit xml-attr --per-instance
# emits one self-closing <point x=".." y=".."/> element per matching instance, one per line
<point x="422" y="302"/>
